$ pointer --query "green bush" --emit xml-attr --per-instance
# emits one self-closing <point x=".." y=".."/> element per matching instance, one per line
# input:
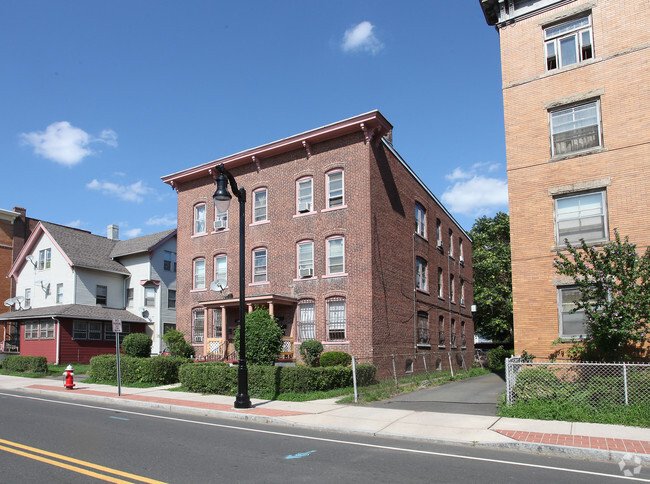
<point x="263" y="337"/>
<point x="161" y="370"/>
<point x="269" y="381"/>
<point x="335" y="358"/>
<point x="310" y="351"/>
<point x="25" y="364"/>
<point x="176" y="344"/>
<point x="137" y="345"/>
<point x="497" y="357"/>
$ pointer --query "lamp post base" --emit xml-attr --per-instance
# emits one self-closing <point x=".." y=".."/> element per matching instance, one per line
<point x="242" y="401"/>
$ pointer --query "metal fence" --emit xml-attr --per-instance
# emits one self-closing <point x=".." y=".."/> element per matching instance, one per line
<point x="585" y="384"/>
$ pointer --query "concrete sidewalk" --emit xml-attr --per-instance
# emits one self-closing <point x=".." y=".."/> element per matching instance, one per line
<point x="585" y="440"/>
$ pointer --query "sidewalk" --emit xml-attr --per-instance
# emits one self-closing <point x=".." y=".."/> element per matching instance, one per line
<point x="585" y="440"/>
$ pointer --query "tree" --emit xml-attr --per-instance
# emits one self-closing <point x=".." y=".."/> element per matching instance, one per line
<point x="614" y="284"/>
<point x="137" y="345"/>
<point x="492" y="277"/>
<point x="263" y="337"/>
<point x="176" y="344"/>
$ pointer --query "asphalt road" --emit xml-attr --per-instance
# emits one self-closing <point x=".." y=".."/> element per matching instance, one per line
<point x="51" y="440"/>
<point x="473" y="396"/>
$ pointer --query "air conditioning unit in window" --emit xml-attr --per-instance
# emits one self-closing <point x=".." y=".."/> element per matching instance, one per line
<point x="307" y="272"/>
<point x="220" y="224"/>
<point x="304" y="207"/>
<point x="439" y="244"/>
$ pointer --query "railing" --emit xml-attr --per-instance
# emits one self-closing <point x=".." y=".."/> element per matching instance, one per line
<point x="223" y="349"/>
<point x="286" y="352"/>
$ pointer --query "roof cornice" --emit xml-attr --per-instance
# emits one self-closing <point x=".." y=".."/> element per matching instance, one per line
<point x="371" y="124"/>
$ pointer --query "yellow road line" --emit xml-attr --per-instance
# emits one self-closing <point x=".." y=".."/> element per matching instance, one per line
<point x="75" y="461"/>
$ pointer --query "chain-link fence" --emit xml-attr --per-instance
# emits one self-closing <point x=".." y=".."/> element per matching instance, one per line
<point x="586" y="384"/>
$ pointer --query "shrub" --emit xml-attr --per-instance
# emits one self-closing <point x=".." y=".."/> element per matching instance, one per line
<point x="161" y="370"/>
<point x="310" y="351"/>
<point x="176" y="344"/>
<point x="496" y="358"/>
<point x="263" y="337"/>
<point x="28" y="364"/>
<point x="335" y="358"/>
<point x="137" y="345"/>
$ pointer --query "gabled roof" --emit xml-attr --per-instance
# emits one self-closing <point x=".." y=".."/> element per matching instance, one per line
<point x="73" y="311"/>
<point x="146" y="243"/>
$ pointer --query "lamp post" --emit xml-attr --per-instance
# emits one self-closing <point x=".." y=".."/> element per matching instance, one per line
<point x="222" y="201"/>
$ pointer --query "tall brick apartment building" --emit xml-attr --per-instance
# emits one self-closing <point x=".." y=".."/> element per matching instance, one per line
<point x="576" y="95"/>
<point x="344" y="244"/>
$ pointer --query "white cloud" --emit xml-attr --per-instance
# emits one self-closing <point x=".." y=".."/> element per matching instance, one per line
<point x="130" y="193"/>
<point x="458" y="174"/>
<point x="361" y="38"/>
<point x="478" y="195"/>
<point x="167" y="220"/>
<point x="129" y="234"/>
<point x="63" y="143"/>
<point x="75" y="223"/>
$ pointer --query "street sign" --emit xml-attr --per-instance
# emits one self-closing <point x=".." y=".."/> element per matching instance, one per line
<point x="117" y="326"/>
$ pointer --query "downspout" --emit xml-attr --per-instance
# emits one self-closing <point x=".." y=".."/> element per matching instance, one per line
<point x="58" y="340"/>
<point x="415" y="299"/>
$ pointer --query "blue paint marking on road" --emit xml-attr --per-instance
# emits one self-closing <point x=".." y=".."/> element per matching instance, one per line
<point x="119" y="418"/>
<point x="298" y="456"/>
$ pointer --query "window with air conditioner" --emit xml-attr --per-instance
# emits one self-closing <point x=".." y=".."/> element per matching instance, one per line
<point x="198" y="320"/>
<point x="305" y="195"/>
<point x="305" y="259"/>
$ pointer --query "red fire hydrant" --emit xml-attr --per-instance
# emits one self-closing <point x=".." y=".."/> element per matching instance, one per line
<point x="69" y="378"/>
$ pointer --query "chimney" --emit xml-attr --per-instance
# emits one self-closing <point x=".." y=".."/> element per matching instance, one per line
<point x="113" y="232"/>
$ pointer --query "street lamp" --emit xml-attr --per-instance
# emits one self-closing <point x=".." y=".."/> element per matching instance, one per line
<point x="222" y="201"/>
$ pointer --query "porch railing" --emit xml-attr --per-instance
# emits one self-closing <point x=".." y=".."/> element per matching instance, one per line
<point x="224" y="349"/>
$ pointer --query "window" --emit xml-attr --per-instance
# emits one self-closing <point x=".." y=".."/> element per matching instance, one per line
<point x="80" y="330"/>
<point x="462" y="292"/>
<point x="198" y="318"/>
<point x="171" y="299"/>
<point x="220" y="219"/>
<point x="217" y="329"/>
<point x="260" y="208"/>
<point x="336" y="319"/>
<point x="335" y="189"/>
<point x="441" y="332"/>
<point x="129" y="297"/>
<point x="440" y="294"/>
<point x="199" y="218"/>
<point x="568" y="43"/>
<point x="581" y="217"/>
<point x="95" y="330"/>
<point x="306" y="259"/>
<point x="438" y="234"/>
<point x="110" y="336"/>
<point x="199" y="274"/>
<point x="169" y="262"/>
<point x="463" y="338"/>
<point x="221" y="270"/>
<point x="259" y="265"/>
<point x="423" y="329"/>
<point x="420" y="274"/>
<point x="44" y="259"/>
<point x="572" y="324"/>
<point x="452" y="330"/>
<point x="149" y="296"/>
<point x="31" y="330"/>
<point x="101" y="295"/>
<point x="47" y="330"/>
<point x="461" y="255"/>
<point x="305" y="195"/>
<point x="335" y="255"/>
<point x="420" y="220"/>
<point x="451" y="288"/>
<point x="28" y="298"/>
<point x="575" y="129"/>
<point x="451" y="243"/>
<point x="59" y="293"/>
<point x="306" y="320"/>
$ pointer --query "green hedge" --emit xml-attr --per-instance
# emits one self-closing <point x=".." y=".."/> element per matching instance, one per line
<point x="270" y="381"/>
<point x="335" y="358"/>
<point x="162" y="370"/>
<point x="25" y="364"/>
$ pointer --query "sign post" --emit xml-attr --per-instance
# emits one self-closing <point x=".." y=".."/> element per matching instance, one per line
<point x="117" y="329"/>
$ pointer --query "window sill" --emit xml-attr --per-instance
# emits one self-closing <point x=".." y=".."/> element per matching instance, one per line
<point x="305" y="214"/>
<point x="227" y="229"/>
<point x="329" y="276"/>
<point x="265" y="283"/>
<point x="313" y="278"/>
<point x="332" y="209"/>
<point x="261" y="222"/>
<point x="202" y="234"/>
<point x="423" y="345"/>
<point x="423" y="291"/>
<point x="199" y="290"/>
<point x="596" y="243"/>
<point x="346" y="342"/>
<point x="441" y="347"/>
<point x="576" y="154"/>
<point x="423" y="237"/>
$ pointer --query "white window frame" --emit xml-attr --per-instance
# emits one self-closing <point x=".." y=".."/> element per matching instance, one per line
<point x="129" y="296"/>
<point x="149" y="296"/>
<point x="332" y="260"/>
<point x="452" y="291"/>
<point x="44" y="259"/>
<point x="221" y="269"/>
<point x="563" y="309"/>
<point x="59" y="293"/>
<point x="579" y="32"/>
<point x="441" y="332"/>
<point x="305" y="194"/>
<point x="220" y="217"/>
<point x="198" y="274"/>
<point x="452" y="333"/>
<point x="441" y="293"/>
<point x="306" y="319"/>
<point x="199" y="219"/>
<point x="305" y="258"/>
<point x="198" y="336"/>
<point x="580" y="216"/>
<point x="420" y="220"/>
<point x="260" y="265"/>
<point x="169" y="261"/>
<point x="421" y="274"/>
<point x="260" y="205"/>
<point x="451" y="243"/>
<point x="170" y="304"/>
<point x="32" y="330"/>
<point x="335" y="195"/>
<point x="217" y="326"/>
<point x="571" y="119"/>
<point x="101" y="292"/>
<point x="336" y="319"/>
<point x="28" y="298"/>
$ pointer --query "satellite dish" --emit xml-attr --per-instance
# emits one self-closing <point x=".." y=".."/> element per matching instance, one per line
<point x="10" y="302"/>
<point x="142" y="309"/>
<point x="30" y="258"/>
<point x="218" y="285"/>
<point x="19" y="299"/>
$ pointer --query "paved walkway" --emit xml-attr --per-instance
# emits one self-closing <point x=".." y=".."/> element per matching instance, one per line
<point x="585" y="440"/>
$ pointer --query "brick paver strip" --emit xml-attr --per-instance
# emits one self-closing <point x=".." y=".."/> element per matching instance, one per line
<point x="267" y="412"/>
<point x="604" y="443"/>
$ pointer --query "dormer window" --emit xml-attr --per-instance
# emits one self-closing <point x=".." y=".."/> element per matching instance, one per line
<point x="44" y="259"/>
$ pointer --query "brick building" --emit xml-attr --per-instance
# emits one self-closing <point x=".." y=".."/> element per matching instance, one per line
<point x="576" y="95"/>
<point x="344" y="244"/>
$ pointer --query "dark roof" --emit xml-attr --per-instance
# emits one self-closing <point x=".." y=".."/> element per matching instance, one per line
<point x="140" y="244"/>
<point x="73" y="311"/>
<point x="85" y="249"/>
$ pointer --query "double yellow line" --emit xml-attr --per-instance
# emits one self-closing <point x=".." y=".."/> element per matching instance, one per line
<point x="36" y="454"/>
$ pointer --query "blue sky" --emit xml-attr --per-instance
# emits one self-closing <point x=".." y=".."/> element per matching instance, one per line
<point x="101" y="99"/>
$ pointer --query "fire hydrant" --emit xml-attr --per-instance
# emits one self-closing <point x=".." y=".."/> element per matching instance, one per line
<point x="69" y="378"/>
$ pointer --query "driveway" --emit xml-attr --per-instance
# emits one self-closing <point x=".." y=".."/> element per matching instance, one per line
<point x="473" y="396"/>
